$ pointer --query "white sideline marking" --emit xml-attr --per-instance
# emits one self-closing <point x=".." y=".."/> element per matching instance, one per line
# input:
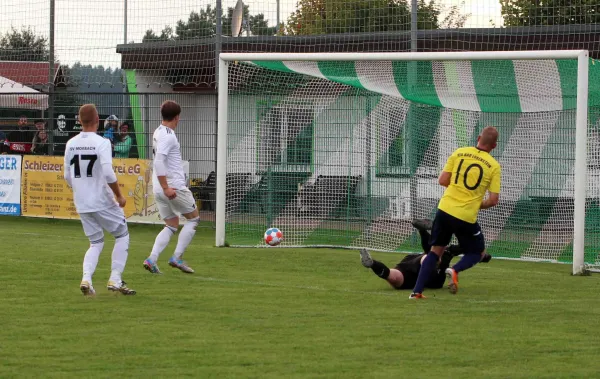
<point x="481" y="267"/>
<point x="402" y="295"/>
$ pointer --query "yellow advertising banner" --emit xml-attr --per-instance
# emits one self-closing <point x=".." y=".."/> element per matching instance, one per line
<point x="45" y="193"/>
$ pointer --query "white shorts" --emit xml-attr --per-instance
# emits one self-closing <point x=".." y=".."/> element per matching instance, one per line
<point x="112" y="220"/>
<point x="183" y="203"/>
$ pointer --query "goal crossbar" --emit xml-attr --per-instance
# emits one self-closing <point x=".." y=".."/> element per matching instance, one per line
<point x="582" y="57"/>
<point x="407" y="56"/>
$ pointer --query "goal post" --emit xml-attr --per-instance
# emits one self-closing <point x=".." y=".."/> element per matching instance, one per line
<point x="580" y="162"/>
<point x="296" y="130"/>
<point x="222" y="108"/>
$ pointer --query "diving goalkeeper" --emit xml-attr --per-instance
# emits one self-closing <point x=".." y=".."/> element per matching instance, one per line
<point x="404" y="275"/>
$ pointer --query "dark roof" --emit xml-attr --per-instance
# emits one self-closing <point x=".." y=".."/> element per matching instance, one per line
<point x="194" y="59"/>
<point x="30" y="73"/>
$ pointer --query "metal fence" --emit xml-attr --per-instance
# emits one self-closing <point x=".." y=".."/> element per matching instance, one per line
<point x="127" y="56"/>
<point x="176" y="42"/>
<point x="135" y="117"/>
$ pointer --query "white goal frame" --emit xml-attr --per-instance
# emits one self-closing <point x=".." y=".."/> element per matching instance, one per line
<point x="582" y="57"/>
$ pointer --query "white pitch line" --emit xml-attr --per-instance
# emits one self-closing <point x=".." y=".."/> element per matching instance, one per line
<point x="480" y="267"/>
<point x="388" y="293"/>
<point x="134" y="242"/>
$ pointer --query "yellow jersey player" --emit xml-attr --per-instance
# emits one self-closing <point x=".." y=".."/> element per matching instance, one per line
<point x="468" y="175"/>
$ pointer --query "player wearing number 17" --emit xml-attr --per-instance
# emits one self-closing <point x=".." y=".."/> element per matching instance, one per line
<point x="89" y="172"/>
<point x="469" y="173"/>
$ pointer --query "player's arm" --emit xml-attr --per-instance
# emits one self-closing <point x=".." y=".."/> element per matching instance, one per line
<point x="67" y="168"/>
<point x="160" y="166"/>
<point x="109" y="173"/>
<point x="444" y="178"/>
<point x="491" y="200"/>
<point x="493" y="191"/>
<point x="446" y="174"/>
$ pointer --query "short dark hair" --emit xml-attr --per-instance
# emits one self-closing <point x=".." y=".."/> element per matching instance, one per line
<point x="169" y="110"/>
<point x="39" y="120"/>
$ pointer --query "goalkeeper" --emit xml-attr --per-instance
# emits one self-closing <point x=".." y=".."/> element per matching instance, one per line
<point x="404" y="275"/>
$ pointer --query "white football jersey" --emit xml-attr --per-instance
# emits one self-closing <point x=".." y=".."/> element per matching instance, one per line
<point x="164" y="141"/>
<point x="84" y="156"/>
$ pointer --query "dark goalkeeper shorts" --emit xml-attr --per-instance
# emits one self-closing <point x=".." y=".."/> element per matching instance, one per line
<point x="469" y="236"/>
<point x="409" y="267"/>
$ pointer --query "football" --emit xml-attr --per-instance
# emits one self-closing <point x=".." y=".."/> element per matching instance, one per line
<point x="273" y="237"/>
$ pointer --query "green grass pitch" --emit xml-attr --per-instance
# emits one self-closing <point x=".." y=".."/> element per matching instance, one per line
<point x="281" y="313"/>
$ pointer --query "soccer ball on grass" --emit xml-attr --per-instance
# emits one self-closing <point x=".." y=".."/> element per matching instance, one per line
<point x="273" y="237"/>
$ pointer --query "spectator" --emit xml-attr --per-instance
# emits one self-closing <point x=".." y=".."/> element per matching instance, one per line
<point x="20" y="138"/>
<point x="39" y="125"/>
<point x="40" y="143"/>
<point x="111" y="125"/>
<point x="123" y="142"/>
<point x="23" y="120"/>
<point x="4" y="144"/>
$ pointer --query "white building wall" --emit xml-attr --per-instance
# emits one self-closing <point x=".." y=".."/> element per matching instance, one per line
<point x="197" y="129"/>
<point x="341" y="124"/>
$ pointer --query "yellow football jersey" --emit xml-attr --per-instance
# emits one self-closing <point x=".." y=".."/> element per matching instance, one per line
<point x="474" y="172"/>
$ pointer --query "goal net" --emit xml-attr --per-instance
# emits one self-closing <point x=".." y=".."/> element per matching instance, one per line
<point x="347" y="153"/>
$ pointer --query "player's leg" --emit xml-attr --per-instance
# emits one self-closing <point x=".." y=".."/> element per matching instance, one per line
<point x="445" y="260"/>
<point x="456" y="250"/>
<point x="470" y="237"/>
<point x="185" y="204"/>
<point x="164" y="237"/>
<point x="96" y="236"/>
<point x="423" y="226"/>
<point x="441" y="234"/>
<point x="438" y="278"/>
<point x="393" y="276"/>
<point x="113" y="220"/>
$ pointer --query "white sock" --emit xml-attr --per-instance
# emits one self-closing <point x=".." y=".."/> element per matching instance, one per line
<point x="119" y="258"/>
<point x="185" y="236"/>
<point x="162" y="240"/>
<point x="90" y="261"/>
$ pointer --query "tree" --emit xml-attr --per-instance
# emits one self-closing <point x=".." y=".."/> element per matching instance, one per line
<point x="84" y="78"/>
<point x="165" y="34"/>
<point x="429" y="13"/>
<point x="98" y="78"/>
<point x="549" y="12"/>
<point x="453" y="18"/>
<point x="260" y="27"/>
<point x="204" y="24"/>
<point x="23" y="45"/>
<point x="360" y="16"/>
<point x="201" y="24"/>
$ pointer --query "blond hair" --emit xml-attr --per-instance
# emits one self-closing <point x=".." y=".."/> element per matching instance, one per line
<point x="88" y="115"/>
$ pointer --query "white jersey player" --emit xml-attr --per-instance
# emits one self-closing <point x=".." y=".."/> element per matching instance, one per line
<point x="172" y="196"/>
<point x="88" y="170"/>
